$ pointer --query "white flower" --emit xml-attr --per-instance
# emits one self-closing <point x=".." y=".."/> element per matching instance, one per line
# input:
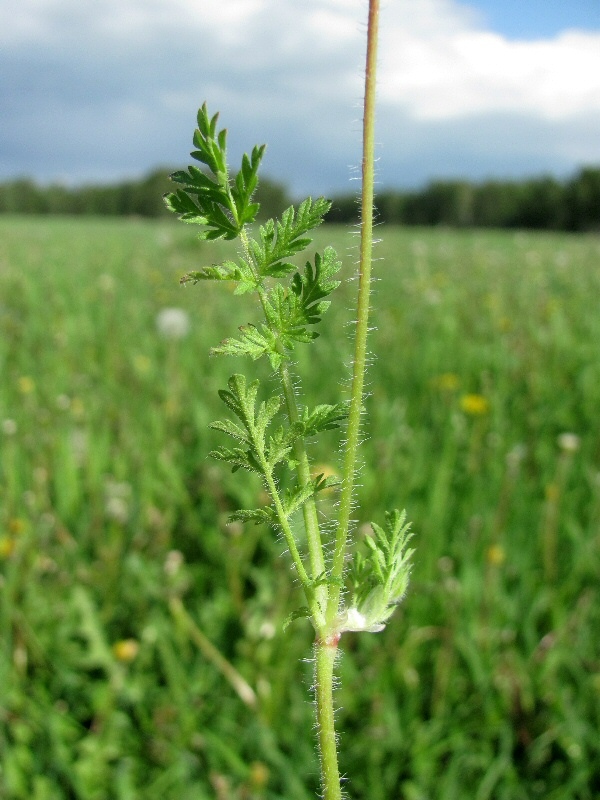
<point x="569" y="442"/>
<point x="117" y="509"/>
<point x="173" y="323"/>
<point x="173" y="562"/>
<point x="354" y="620"/>
<point x="117" y="497"/>
<point x="9" y="427"/>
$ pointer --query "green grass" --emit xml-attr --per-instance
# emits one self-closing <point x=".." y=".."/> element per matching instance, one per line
<point x="486" y="683"/>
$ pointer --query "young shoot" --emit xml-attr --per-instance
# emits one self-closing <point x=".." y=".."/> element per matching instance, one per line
<point x="268" y="433"/>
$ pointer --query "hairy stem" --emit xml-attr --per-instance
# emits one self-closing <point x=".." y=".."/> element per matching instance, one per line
<point x="362" y="323"/>
<point x="309" y="510"/>
<point x="287" y="531"/>
<point x="325" y="650"/>
<point x="325" y="655"/>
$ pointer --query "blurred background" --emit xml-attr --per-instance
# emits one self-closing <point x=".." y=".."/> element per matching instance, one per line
<point x="142" y="650"/>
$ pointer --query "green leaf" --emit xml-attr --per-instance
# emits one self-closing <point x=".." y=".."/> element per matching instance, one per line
<point x="289" y="313"/>
<point x="208" y="197"/>
<point x="329" y="482"/>
<point x="229" y="427"/>
<point x="238" y="458"/>
<point x="257" y="515"/>
<point x="299" y="613"/>
<point x="295" y="498"/>
<point x="324" y="417"/>
<point x="252" y="342"/>
<point x="281" y="240"/>
<point x="225" y="272"/>
<point x="316" y="283"/>
<point x="245" y="185"/>
<point x="280" y="444"/>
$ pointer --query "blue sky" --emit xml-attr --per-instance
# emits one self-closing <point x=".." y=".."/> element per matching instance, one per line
<point x="523" y="19"/>
<point x="98" y="90"/>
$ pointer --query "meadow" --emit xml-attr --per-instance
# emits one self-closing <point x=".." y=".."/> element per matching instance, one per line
<point x="142" y="649"/>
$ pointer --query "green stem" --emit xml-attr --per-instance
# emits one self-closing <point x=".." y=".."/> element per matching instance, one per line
<point x="287" y="531"/>
<point x="362" y="323"/>
<point x="325" y="655"/>
<point x="326" y="649"/>
<point x="309" y="509"/>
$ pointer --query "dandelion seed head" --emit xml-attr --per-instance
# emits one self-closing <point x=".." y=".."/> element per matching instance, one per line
<point x="173" y="323"/>
<point x="569" y="442"/>
<point x="9" y="427"/>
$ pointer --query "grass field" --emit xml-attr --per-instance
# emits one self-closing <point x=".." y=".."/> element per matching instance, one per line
<point x="119" y="576"/>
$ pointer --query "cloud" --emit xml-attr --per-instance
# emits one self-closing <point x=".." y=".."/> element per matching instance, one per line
<point x="98" y="90"/>
<point x="457" y="70"/>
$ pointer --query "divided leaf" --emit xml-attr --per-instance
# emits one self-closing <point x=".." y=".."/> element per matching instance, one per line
<point x="324" y="417"/>
<point x="282" y="239"/>
<point x="257" y="515"/>
<point x="211" y="200"/>
<point x="228" y="271"/>
<point x="290" y="312"/>
<point x="253" y="342"/>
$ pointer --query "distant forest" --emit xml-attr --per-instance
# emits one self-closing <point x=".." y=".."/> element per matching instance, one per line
<point x="542" y="203"/>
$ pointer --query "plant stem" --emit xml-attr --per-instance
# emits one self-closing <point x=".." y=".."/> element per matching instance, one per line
<point x="309" y="509"/>
<point x="362" y="322"/>
<point x="325" y="655"/>
<point x="326" y="649"/>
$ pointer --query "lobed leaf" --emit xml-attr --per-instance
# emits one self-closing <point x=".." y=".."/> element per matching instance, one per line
<point x="252" y="342"/>
<point x="257" y="515"/>
<point x="324" y="417"/>
<point x="238" y="458"/>
<point x="283" y="239"/>
<point x="224" y="272"/>
<point x="212" y="200"/>
<point x="233" y="430"/>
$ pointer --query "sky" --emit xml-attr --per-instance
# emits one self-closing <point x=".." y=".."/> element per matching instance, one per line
<point x="102" y="90"/>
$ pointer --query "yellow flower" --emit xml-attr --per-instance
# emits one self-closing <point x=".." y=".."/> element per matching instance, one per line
<point x="77" y="407"/>
<point x="142" y="364"/>
<point x="126" y="650"/>
<point x="446" y="382"/>
<point x="496" y="555"/>
<point x="26" y="384"/>
<point x="259" y="775"/>
<point x="7" y="546"/>
<point x="16" y="525"/>
<point x="475" y="405"/>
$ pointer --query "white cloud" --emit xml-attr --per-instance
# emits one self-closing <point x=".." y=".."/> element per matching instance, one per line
<point x="436" y="60"/>
<point x="288" y="73"/>
<point x="459" y="70"/>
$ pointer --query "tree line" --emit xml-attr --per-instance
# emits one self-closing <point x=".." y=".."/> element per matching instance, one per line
<point x="143" y="197"/>
<point x="543" y="202"/>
